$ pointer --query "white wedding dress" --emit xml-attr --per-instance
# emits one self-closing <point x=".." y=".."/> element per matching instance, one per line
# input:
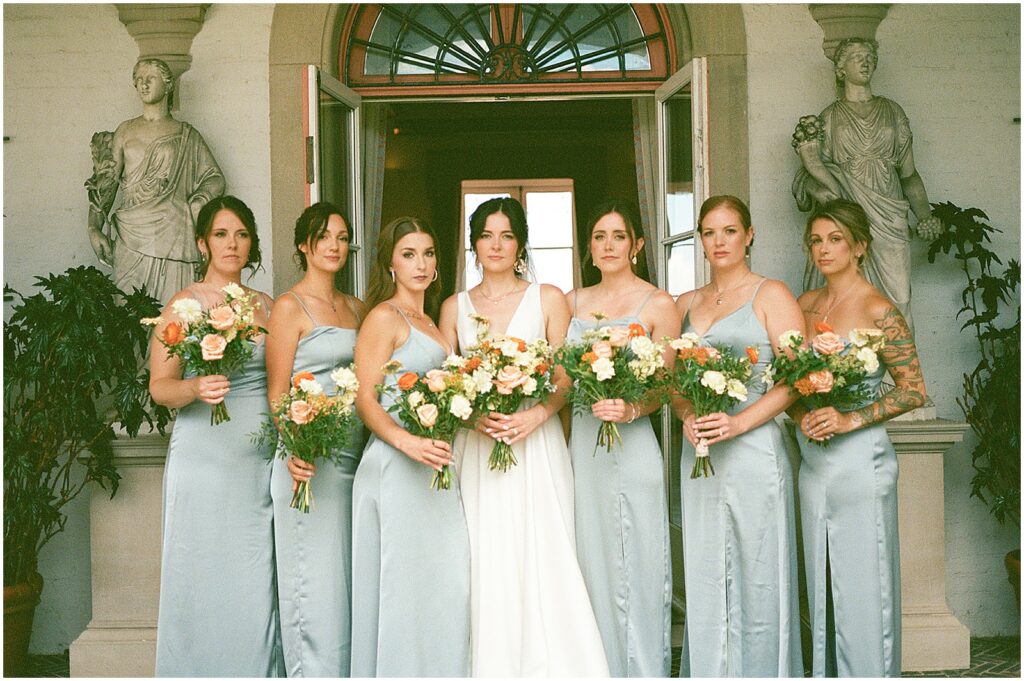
<point x="530" y="611"/>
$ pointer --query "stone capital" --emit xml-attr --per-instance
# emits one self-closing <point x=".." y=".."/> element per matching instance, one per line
<point x="164" y="31"/>
<point x="843" y="20"/>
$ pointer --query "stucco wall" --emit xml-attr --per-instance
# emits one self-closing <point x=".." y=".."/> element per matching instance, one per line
<point x="955" y="69"/>
<point x="67" y="74"/>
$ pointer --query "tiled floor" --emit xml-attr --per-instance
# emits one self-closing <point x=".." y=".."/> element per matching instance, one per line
<point x="990" y="657"/>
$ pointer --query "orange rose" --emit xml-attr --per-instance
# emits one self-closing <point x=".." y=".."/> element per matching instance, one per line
<point x="588" y="357"/>
<point x="407" y="380"/>
<point x="636" y="330"/>
<point x="698" y="355"/>
<point x="300" y="412"/>
<point x="541" y="368"/>
<point x="823" y="327"/>
<point x="302" y="376"/>
<point x="603" y="349"/>
<point x="173" y="334"/>
<point x="471" y="365"/>
<point x="213" y="346"/>
<point x="752" y="354"/>
<point x="222" y="317"/>
<point x="827" y="343"/>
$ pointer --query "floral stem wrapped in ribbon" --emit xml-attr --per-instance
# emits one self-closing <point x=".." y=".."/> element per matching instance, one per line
<point x="713" y="379"/>
<point x="612" y="362"/>
<point x="435" y="404"/>
<point x="829" y="372"/>
<point x="506" y="372"/>
<point x="312" y="425"/>
<point x="217" y="341"/>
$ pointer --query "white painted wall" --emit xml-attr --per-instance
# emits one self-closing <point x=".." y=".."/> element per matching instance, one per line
<point x="955" y="69"/>
<point x="67" y="74"/>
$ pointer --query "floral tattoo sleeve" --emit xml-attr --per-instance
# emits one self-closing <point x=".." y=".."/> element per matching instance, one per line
<point x="900" y="356"/>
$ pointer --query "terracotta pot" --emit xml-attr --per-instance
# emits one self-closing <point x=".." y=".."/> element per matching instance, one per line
<point x="1012" y="562"/>
<point x="20" y="603"/>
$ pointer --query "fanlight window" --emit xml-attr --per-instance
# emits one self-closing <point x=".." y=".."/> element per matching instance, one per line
<point x="417" y="45"/>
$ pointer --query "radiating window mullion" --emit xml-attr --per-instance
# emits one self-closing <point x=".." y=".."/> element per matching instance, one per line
<point x="457" y="25"/>
<point x="439" y="40"/>
<point x="557" y="23"/>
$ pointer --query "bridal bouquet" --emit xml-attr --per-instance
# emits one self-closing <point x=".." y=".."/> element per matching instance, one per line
<point x="829" y="372"/>
<point x="506" y="371"/>
<point x="215" y="341"/>
<point x="612" y="362"/>
<point x="713" y="380"/>
<point x="312" y="425"/>
<point x="435" y="404"/>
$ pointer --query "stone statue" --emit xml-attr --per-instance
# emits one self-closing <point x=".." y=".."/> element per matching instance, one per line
<point x="166" y="174"/>
<point x="860" y="148"/>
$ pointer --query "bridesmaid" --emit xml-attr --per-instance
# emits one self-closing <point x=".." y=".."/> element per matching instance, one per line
<point x="410" y="546"/>
<point x="313" y="328"/>
<point x="621" y="514"/>
<point x="739" y="537"/>
<point x="218" y="608"/>
<point x="848" y="490"/>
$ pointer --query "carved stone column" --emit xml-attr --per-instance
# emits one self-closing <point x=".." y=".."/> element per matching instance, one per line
<point x="843" y="20"/>
<point x="933" y="638"/>
<point x="125" y="538"/>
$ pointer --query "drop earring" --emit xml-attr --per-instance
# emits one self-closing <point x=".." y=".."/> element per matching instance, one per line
<point x="520" y="267"/>
<point x="392" y="276"/>
<point x="634" y="258"/>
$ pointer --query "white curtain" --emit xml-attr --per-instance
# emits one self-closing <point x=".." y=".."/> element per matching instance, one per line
<point x="644" y="139"/>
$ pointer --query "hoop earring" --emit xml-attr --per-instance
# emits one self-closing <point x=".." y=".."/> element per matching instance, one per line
<point x="520" y="267"/>
<point x="435" y="277"/>
<point x="392" y="276"/>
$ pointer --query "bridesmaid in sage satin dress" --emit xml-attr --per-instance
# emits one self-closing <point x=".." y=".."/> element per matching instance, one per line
<point x="410" y="545"/>
<point x="622" y="540"/>
<point x="218" y="608"/>
<point x="848" y="490"/>
<point x="313" y="328"/>
<point x="739" y="533"/>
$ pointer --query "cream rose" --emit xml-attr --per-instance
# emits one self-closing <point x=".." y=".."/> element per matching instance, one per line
<point x="484" y="381"/>
<point x="509" y="347"/>
<point x="427" y="414"/>
<point x="869" y="359"/>
<point x="508" y="379"/>
<point x="300" y="412"/>
<point x="714" y="380"/>
<point x="345" y="379"/>
<point x="736" y="390"/>
<point x="233" y="290"/>
<point x="213" y="346"/>
<point x="603" y="368"/>
<point x="311" y="387"/>
<point x="461" y="407"/>
<point x="827" y="343"/>
<point x="791" y="337"/>
<point x="618" y="336"/>
<point x="603" y="349"/>
<point x="530" y="386"/>
<point x="687" y="341"/>
<point x="872" y="338"/>
<point x="435" y="380"/>
<point x="415" y="399"/>
<point x="188" y="310"/>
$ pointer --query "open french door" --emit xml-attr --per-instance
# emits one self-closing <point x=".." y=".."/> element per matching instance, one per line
<point x="333" y="166"/>
<point x="681" y="118"/>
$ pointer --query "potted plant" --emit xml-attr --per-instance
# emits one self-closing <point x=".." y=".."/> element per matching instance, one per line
<point x="991" y="397"/>
<point x="71" y="371"/>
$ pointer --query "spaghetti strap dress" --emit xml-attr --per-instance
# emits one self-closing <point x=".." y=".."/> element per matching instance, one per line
<point x="739" y="538"/>
<point x="218" y="599"/>
<point x="622" y="539"/>
<point x="314" y="550"/>
<point x="410" y="556"/>
<point x="850" y="529"/>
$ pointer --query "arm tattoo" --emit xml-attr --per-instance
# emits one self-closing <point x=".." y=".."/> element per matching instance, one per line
<point x="900" y="356"/>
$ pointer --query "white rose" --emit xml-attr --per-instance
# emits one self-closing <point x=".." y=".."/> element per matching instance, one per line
<point x="714" y="380"/>
<point x="791" y="337"/>
<point x="869" y="359"/>
<point x="603" y="368"/>
<point x="310" y="387"/>
<point x="736" y="390"/>
<point x="189" y="310"/>
<point x="641" y="346"/>
<point x="233" y="290"/>
<point x="866" y="338"/>
<point x="530" y="386"/>
<point x="345" y="379"/>
<point x="460" y="407"/>
<point x="469" y="387"/>
<point x="415" y="399"/>
<point x="509" y="348"/>
<point x="484" y="381"/>
<point x="685" y="342"/>
<point x="455" y="361"/>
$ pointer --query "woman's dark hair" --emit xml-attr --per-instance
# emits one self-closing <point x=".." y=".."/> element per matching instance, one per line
<point x="508" y="207"/>
<point x="849" y="217"/>
<point x="312" y="225"/>
<point x="729" y="201"/>
<point x="630" y="215"/>
<point x="381" y="286"/>
<point x="204" y="224"/>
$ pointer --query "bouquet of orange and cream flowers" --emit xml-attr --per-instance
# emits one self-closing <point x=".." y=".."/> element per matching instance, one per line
<point x="312" y="425"/>
<point x="611" y="362"/>
<point x="830" y="371"/>
<point x="506" y="371"/>
<point x="217" y="341"/>
<point x="713" y="379"/>
<point x="435" y="404"/>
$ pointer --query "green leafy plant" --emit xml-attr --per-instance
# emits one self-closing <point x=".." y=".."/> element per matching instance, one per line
<point x="991" y="398"/>
<point x="71" y="371"/>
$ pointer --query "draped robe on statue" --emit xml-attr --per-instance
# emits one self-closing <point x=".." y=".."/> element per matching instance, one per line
<point x="154" y="226"/>
<point x="864" y="154"/>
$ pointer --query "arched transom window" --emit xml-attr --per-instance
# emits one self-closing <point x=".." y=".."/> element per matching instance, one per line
<point x="533" y="47"/>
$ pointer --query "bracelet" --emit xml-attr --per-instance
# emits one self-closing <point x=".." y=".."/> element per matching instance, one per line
<point x="636" y="412"/>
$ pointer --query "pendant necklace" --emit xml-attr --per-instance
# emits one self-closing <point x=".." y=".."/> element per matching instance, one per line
<point x="500" y="298"/>
<point x="836" y="301"/>
<point x="719" y="294"/>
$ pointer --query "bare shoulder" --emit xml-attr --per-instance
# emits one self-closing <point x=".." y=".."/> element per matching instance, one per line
<point x="286" y="306"/>
<point x="684" y="301"/>
<point x="775" y="290"/>
<point x="879" y="308"/>
<point x="552" y="295"/>
<point x="450" y="304"/>
<point x="381" y="314"/>
<point x="809" y="297"/>
<point x="358" y="305"/>
<point x="661" y="301"/>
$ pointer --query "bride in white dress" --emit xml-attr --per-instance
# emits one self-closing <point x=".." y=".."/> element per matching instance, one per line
<point x="530" y="612"/>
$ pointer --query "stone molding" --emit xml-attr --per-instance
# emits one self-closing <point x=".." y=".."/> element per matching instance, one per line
<point x="844" y="20"/>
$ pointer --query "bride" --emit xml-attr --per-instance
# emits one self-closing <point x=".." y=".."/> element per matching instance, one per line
<point x="530" y="612"/>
